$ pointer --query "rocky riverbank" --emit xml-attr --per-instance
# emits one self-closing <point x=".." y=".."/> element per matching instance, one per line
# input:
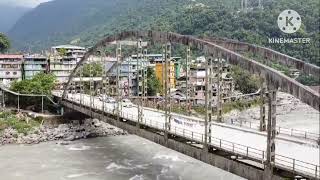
<point x="290" y="111"/>
<point x="65" y="132"/>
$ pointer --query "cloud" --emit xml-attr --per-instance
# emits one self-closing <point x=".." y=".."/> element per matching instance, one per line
<point x="25" y="3"/>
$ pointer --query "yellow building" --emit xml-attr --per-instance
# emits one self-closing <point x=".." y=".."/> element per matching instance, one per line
<point x="160" y="68"/>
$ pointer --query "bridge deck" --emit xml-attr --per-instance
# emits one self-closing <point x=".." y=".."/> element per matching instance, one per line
<point x="299" y="157"/>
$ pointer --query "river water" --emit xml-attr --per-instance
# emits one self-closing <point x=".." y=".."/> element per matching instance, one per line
<point x="104" y="158"/>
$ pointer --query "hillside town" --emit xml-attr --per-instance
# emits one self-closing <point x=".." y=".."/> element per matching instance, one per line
<point x="61" y="61"/>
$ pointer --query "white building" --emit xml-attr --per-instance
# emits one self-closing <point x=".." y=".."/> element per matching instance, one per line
<point x="10" y="68"/>
<point x="63" y="59"/>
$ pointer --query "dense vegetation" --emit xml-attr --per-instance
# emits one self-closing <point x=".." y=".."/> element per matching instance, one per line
<point x="4" y="43"/>
<point x="153" y="83"/>
<point x="9" y="15"/>
<point x="20" y="123"/>
<point x="41" y="83"/>
<point x="244" y="81"/>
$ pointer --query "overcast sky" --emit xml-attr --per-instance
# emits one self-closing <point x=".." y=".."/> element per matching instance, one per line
<point x="26" y="3"/>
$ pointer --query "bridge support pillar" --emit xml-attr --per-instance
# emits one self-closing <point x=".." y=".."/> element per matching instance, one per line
<point x="271" y="134"/>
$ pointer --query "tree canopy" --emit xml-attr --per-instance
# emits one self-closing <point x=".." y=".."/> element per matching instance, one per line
<point x="4" y="43"/>
<point x="41" y="83"/>
<point x="153" y="83"/>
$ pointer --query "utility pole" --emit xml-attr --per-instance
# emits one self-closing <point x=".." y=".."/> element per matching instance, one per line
<point x="209" y="76"/>
<point x="169" y="71"/>
<point x="91" y="86"/>
<point x="118" y="80"/>
<point x="167" y="89"/>
<point x="262" y="126"/>
<point x="129" y="76"/>
<point x="163" y="68"/>
<point x="207" y="100"/>
<point x="145" y="76"/>
<point x="81" y="84"/>
<point x="104" y="79"/>
<point x="139" y="58"/>
<point x="188" y="105"/>
<point x="271" y="130"/>
<point x="219" y="89"/>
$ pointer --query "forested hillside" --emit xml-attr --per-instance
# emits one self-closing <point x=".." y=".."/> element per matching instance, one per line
<point x="83" y="22"/>
<point x="9" y="16"/>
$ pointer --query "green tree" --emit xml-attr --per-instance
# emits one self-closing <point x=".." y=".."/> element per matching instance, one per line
<point x="41" y="83"/>
<point x="62" y="52"/>
<point x="244" y="81"/>
<point x="153" y="83"/>
<point x="308" y="80"/>
<point x="96" y="70"/>
<point x="4" y="43"/>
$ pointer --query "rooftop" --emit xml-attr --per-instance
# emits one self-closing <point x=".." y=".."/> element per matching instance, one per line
<point x="68" y="46"/>
<point x="11" y="56"/>
<point x="35" y="56"/>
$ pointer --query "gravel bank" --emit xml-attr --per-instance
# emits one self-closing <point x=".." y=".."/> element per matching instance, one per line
<point x="66" y="132"/>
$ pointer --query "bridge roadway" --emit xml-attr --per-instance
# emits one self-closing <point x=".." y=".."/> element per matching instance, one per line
<point x="291" y="156"/>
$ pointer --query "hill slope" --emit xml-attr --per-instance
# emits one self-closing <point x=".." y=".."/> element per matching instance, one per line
<point x="9" y="15"/>
<point x="62" y="21"/>
<point x="83" y="22"/>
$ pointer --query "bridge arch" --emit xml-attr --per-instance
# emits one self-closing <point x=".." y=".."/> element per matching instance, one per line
<point x="272" y="77"/>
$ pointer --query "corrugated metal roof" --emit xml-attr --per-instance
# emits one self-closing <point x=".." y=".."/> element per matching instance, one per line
<point x="11" y="56"/>
<point x="68" y="47"/>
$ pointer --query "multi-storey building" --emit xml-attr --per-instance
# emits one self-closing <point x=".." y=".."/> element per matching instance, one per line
<point x="197" y="78"/>
<point x="160" y="72"/>
<point x="34" y="64"/>
<point x="10" y="68"/>
<point x="128" y="76"/>
<point x="63" y="59"/>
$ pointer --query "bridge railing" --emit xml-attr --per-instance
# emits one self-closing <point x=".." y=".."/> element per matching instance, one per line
<point x="282" y="162"/>
<point x="281" y="130"/>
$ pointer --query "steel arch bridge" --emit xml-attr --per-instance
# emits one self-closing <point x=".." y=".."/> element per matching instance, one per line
<point x="212" y="48"/>
<point x="226" y="49"/>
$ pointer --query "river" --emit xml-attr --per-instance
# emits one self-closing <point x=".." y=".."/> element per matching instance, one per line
<point x="104" y="158"/>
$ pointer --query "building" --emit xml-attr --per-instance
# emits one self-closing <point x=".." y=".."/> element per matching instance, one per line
<point x="63" y="59"/>
<point x="197" y="78"/>
<point x="128" y="76"/>
<point x="10" y="68"/>
<point x="34" y="64"/>
<point x="160" y="71"/>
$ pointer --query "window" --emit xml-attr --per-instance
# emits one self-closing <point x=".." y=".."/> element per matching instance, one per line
<point x="15" y="73"/>
<point x="7" y="73"/>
